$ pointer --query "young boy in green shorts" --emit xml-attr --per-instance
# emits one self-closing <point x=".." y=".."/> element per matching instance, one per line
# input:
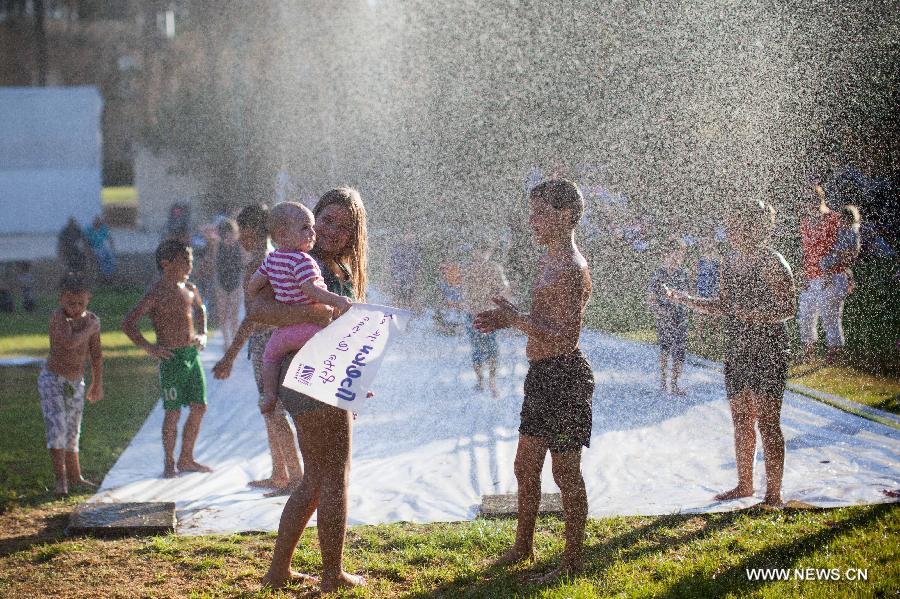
<point x="172" y="304"/>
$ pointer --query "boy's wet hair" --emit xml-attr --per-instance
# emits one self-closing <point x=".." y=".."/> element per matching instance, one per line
<point x="73" y="282"/>
<point x="170" y="249"/>
<point x="561" y="194"/>
<point x="228" y="225"/>
<point x="254" y="217"/>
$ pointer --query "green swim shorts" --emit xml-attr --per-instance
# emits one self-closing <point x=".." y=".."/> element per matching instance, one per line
<point x="181" y="379"/>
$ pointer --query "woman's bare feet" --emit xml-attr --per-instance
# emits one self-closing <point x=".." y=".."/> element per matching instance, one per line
<point x="293" y="577"/>
<point x="514" y="555"/>
<point x="193" y="466"/>
<point x="341" y="581"/>
<point x="735" y="493"/>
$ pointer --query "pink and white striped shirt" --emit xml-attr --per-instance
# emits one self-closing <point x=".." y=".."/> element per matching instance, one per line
<point x="287" y="270"/>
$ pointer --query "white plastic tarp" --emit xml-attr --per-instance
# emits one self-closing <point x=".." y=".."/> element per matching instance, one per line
<point x="50" y="157"/>
<point x="430" y="446"/>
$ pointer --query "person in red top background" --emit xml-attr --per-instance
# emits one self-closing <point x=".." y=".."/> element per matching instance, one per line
<point x="818" y="234"/>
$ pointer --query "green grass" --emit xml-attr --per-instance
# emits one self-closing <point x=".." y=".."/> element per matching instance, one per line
<point x="121" y="195"/>
<point x="704" y="555"/>
<point x="130" y="387"/>
<point x="681" y="556"/>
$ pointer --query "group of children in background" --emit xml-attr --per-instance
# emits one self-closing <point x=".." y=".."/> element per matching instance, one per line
<point x="178" y="316"/>
<point x="176" y="310"/>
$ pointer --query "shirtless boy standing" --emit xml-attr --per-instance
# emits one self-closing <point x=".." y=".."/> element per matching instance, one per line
<point x="74" y="333"/>
<point x="559" y="387"/>
<point x="171" y="304"/>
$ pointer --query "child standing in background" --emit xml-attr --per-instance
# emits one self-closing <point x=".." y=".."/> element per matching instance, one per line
<point x="74" y="334"/>
<point x="707" y="288"/>
<point x="174" y="305"/>
<point x="228" y="279"/>
<point x="671" y="318"/>
<point x="450" y="316"/>
<point x="484" y="281"/>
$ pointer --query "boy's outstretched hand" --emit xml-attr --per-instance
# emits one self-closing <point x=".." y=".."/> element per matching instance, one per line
<point x="501" y="317"/>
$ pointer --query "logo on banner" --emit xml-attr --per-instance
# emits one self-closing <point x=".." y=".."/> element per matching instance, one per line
<point x="304" y="374"/>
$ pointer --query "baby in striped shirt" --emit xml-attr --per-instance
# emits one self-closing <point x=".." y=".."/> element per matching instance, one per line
<point x="296" y="279"/>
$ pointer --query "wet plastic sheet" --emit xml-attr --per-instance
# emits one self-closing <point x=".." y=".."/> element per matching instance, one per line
<point x="430" y="446"/>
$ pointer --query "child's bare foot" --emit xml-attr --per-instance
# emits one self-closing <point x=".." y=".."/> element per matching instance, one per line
<point x="494" y="393"/>
<point x="83" y="483"/>
<point x="278" y="582"/>
<point x="169" y="471"/>
<point x="514" y="555"/>
<point x="193" y="466"/>
<point x="61" y="489"/>
<point x="341" y="581"/>
<point x="678" y="391"/>
<point x="735" y="493"/>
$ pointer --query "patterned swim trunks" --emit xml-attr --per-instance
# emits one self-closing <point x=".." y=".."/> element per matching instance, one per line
<point x="62" y="403"/>
<point x="256" y="346"/>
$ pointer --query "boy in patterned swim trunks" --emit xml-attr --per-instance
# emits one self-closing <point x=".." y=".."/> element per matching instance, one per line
<point x="556" y="413"/>
<point x="74" y="333"/>
<point x="172" y="303"/>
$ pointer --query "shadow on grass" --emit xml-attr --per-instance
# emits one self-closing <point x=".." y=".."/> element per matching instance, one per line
<point x="654" y="538"/>
<point x="501" y="581"/>
<point x="734" y="580"/>
<point x="50" y="529"/>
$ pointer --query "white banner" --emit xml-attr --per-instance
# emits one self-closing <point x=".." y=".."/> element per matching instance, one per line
<point x="338" y="365"/>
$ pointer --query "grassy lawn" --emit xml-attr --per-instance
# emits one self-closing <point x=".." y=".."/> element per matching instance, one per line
<point x="685" y="555"/>
<point x="678" y="556"/>
<point x="130" y="387"/>
<point x="119" y="195"/>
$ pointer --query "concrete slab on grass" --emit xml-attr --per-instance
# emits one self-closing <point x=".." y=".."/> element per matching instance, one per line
<point x="123" y="519"/>
<point x="504" y="506"/>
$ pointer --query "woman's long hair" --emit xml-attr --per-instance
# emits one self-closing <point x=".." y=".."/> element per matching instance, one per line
<point x="355" y="254"/>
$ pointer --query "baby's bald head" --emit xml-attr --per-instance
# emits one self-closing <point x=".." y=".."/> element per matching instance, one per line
<point x="287" y="220"/>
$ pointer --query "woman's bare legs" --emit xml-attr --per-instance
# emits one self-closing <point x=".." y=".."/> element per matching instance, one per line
<point x="336" y="427"/>
<point x="300" y="505"/>
<point x="325" y="446"/>
<point x="743" y="416"/>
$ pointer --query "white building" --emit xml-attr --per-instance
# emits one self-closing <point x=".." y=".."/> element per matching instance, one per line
<point x="50" y="157"/>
